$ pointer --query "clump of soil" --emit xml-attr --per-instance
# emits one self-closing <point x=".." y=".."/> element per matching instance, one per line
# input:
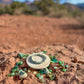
<point x="66" y="53"/>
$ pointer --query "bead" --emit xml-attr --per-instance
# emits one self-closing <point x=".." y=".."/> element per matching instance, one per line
<point x="41" y="71"/>
<point x="50" y="70"/>
<point x="20" y="63"/>
<point x="64" y="70"/>
<point x="20" y="55"/>
<point x="34" y="72"/>
<point x="60" y="62"/>
<point x="17" y="64"/>
<point x="54" y="60"/>
<point x="44" y="52"/>
<point x="55" y="67"/>
<point x="13" y="70"/>
<point x="62" y="65"/>
<point x="66" y="66"/>
<point x="38" y="75"/>
<point x="16" y="67"/>
<point x="12" y="74"/>
<point x="29" y="71"/>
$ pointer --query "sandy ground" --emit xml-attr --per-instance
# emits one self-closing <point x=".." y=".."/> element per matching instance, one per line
<point x="66" y="53"/>
<point x="22" y="32"/>
<point x="28" y="34"/>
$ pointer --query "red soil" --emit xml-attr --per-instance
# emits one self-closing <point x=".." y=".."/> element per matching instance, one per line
<point x="22" y="32"/>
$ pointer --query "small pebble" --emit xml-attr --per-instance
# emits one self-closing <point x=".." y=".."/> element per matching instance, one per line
<point x="25" y="69"/>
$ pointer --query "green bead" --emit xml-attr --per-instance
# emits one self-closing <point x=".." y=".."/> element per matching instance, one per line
<point x="62" y="65"/>
<point x="13" y="70"/>
<point x="44" y="52"/>
<point x="55" y="67"/>
<point x="17" y="64"/>
<point x="16" y="73"/>
<point x="38" y="75"/>
<point x="34" y="72"/>
<point x="29" y="71"/>
<point x="64" y="70"/>
<point x="54" y="60"/>
<point x="16" y="67"/>
<point x="20" y="63"/>
<point x="8" y="75"/>
<point x="60" y="62"/>
<point x="53" y="57"/>
<point x="20" y="55"/>
<point x="66" y="66"/>
<point x="50" y="70"/>
<point x="48" y="66"/>
<point x="12" y="74"/>
<point x="41" y="71"/>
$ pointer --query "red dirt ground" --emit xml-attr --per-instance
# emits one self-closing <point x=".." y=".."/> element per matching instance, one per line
<point x="22" y="32"/>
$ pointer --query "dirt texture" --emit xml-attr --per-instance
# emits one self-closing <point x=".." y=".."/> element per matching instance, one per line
<point x="22" y="32"/>
<point x="66" y="53"/>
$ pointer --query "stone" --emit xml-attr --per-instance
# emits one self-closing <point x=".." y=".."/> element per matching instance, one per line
<point x="25" y="69"/>
<point x="46" y="71"/>
<point x="23" y="74"/>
